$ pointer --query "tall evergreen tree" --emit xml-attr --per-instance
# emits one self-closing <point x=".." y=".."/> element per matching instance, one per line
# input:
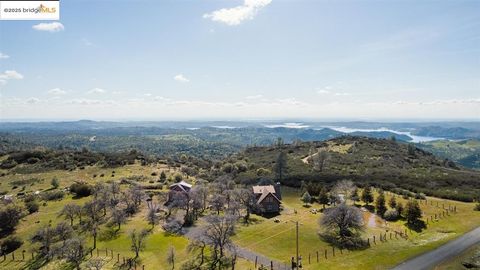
<point x="280" y="166"/>
<point x="323" y="197"/>
<point x="380" y="204"/>
<point x="367" y="196"/>
<point x="412" y="212"/>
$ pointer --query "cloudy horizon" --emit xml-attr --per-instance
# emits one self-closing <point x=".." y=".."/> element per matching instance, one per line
<point x="251" y="59"/>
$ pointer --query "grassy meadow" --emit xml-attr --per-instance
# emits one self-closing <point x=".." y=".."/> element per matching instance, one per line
<point x="277" y="240"/>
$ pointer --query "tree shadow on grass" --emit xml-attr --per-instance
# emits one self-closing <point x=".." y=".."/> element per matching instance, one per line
<point x="351" y="243"/>
<point x="417" y="226"/>
<point x="37" y="263"/>
<point x="110" y="233"/>
<point x="251" y="221"/>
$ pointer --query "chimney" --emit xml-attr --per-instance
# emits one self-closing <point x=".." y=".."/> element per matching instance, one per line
<point x="278" y="191"/>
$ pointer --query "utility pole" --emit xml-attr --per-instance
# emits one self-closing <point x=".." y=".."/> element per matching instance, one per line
<point x="296" y="223"/>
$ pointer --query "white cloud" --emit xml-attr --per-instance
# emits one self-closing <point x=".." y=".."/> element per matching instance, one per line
<point x="181" y="78"/>
<point x="32" y="100"/>
<point x="96" y="91"/>
<point x="56" y="91"/>
<point x="331" y="90"/>
<point x="3" y="56"/>
<point x="10" y="75"/>
<point x="254" y="97"/>
<point x="49" y="27"/>
<point x="238" y="14"/>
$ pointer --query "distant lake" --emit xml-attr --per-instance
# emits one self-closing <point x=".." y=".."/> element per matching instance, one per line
<point x="415" y="138"/>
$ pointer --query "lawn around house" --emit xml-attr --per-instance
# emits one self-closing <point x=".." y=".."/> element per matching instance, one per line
<point x="277" y="240"/>
<point x="263" y="236"/>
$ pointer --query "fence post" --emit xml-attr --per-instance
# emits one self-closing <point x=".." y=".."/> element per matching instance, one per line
<point x="256" y="258"/>
<point x="375" y="242"/>
<point x="23" y="255"/>
<point x="13" y="256"/>
<point x="333" y="251"/>
<point x="326" y="254"/>
<point x="32" y="255"/>
<point x="118" y="257"/>
<point x="308" y="258"/>
<point x="271" y="265"/>
<point x="106" y="252"/>
<point x="97" y="252"/>
<point x="317" y="256"/>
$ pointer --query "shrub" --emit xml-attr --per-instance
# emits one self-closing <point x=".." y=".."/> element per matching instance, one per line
<point x="53" y="195"/>
<point x="9" y="217"/>
<point x="477" y="207"/>
<point x="81" y="189"/>
<point x="172" y="226"/>
<point x="10" y="244"/>
<point x="32" y="206"/>
<point x="391" y="215"/>
<point x="55" y="183"/>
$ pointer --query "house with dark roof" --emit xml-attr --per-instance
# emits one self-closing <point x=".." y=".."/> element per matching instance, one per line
<point x="268" y="200"/>
<point x="181" y="186"/>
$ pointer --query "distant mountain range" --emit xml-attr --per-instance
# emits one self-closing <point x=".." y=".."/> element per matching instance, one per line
<point x="217" y="139"/>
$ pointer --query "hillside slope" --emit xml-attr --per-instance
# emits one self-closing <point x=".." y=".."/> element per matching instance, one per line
<point x="465" y="152"/>
<point x="380" y="162"/>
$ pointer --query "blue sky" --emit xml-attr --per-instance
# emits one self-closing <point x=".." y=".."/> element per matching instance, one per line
<point x="244" y="60"/>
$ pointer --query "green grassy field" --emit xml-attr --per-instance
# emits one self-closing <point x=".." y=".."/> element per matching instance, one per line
<point x="157" y="243"/>
<point x="264" y="236"/>
<point x="277" y="240"/>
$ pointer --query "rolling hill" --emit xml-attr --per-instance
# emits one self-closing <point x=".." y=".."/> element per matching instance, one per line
<point x="380" y="162"/>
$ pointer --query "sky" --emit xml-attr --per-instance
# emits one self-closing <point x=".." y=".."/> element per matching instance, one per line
<point x="250" y="59"/>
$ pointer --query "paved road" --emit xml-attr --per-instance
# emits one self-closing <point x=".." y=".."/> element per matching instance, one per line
<point x="451" y="249"/>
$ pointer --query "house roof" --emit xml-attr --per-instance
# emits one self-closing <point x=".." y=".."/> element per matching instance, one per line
<point x="182" y="184"/>
<point x="263" y="189"/>
<point x="265" y="195"/>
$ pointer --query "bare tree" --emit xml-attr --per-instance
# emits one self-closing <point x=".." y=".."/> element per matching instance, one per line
<point x="45" y="236"/>
<point x="137" y="241"/>
<point x="200" y="194"/>
<point x="114" y="189"/>
<point x="152" y="217"/>
<point x="218" y="202"/>
<point x="96" y="263"/>
<point x="343" y="190"/>
<point x="73" y="251"/>
<point x="92" y="212"/>
<point x="198" y="244"/>
<point x="118" y="217"/>
<point x="63" y="231"/>
<point x="217" y="233"/>
<point x="70" y="211"/>
<point x="248" y="201"/>
<point x="343" y="222"/>
<point x="320" y="159"/>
